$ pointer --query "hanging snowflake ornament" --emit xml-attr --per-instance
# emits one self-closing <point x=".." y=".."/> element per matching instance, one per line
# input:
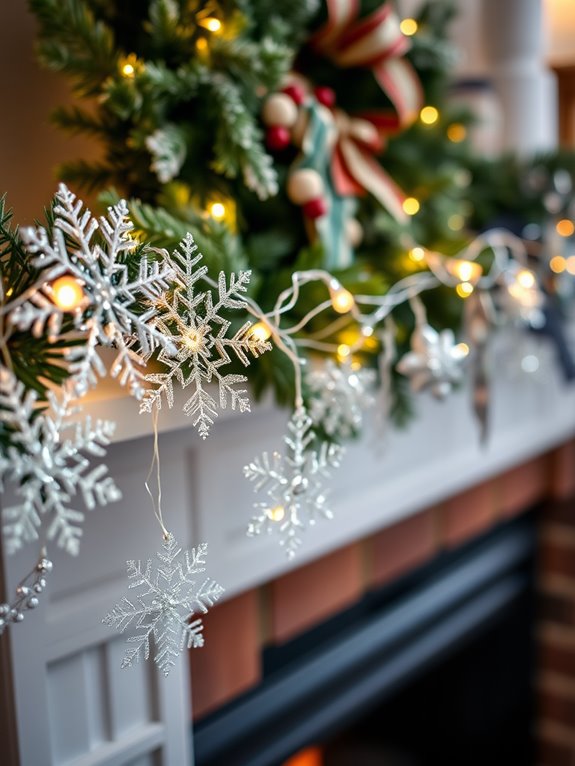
<point x="522" y="298"/>
<point x="293" y="484"/>
<point x="434" y="362"/>
<point x="168" y="597"/>
<point x="27" y="592"/>
<point x="95" y="255"/>
<point x="46" y="461"/>
<point x="192" y="319"/>
<point x="338" y="397"/>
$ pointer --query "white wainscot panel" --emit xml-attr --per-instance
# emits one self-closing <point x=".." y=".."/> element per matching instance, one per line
<point x="75" y="705"/>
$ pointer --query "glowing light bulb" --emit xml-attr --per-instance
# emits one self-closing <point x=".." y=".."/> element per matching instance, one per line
<point x="67" y="293"/>
<point x="558" y="264"/>
<point x="464" y="289"/>
<point x="128" y="69"/>
<point x="457" y="132"/>
<point x="261" y="331"/>
<point x="276" y="513"/>
<point x="342" y="300"/>
<point x="463" y="349"/>
<point x="417" y="254"/>
<point x="211" y="24"/>
<point x="343" y="351"/>
<point x="408" y="27"/>
<point x="571" y="264"/>
<point x="526" y="279"/>
<point x="565" y="227"/>
<point x="429" y="115"/>
<point x="410" y="205"/>
<point x="193" y="340"/>
<point x="456" y="222"/>
<point x="464" y="271"/>
<point x="217" y="210"/>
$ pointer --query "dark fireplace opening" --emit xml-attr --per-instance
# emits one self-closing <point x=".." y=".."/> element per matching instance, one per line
<point x="436" y="669"/>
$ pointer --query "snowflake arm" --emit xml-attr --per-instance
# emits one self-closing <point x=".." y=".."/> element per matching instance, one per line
<point x="168" y="598"/>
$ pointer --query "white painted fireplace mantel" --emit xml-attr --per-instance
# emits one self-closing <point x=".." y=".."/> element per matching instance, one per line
<point x="74" y="704"/>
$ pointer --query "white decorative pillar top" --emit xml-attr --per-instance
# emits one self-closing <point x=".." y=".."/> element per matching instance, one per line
<point x="513" y="35"/>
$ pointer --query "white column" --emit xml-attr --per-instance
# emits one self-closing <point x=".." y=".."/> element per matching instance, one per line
<point x="513" y="37"/>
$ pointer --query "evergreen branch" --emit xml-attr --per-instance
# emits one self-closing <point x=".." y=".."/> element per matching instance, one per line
<point x="73" y="40"/>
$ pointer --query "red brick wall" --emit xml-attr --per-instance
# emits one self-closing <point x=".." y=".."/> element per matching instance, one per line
<point x="237" y="630"/>
<point x="556" y="626"/>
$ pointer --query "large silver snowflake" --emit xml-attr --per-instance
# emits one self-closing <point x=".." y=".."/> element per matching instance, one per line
<point x="169" y="596"/>
<point x="338" y="397"/>
<point x="46" y="463"/>
<point x="434" y="362"/>
<point x="95" y="253"/>
<point x="293" y="484"/>
<point x="192" y="319"/>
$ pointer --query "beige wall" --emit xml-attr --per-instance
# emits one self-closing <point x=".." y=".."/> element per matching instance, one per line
<point x="29" y="146"/>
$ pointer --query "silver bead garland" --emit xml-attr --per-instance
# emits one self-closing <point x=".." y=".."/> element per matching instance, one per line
<point x="27" y="593"/>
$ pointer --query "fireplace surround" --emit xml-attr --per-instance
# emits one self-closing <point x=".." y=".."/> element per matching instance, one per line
<point x="322" y="683"/>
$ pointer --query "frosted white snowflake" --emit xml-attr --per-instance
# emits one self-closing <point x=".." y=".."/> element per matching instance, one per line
<point x="109" y="312"/>
<point x="293" y="483"/>
<point x="338" y="397"/>
<point x="434" y="362"/>
<point x="163" y="609"/>
<point x="192" y="319"/>
<point x="48" y="467"/>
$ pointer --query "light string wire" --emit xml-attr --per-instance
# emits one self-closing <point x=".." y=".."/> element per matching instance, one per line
<point x="505" y="248"/>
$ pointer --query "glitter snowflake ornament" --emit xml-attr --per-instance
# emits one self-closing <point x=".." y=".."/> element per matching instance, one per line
<point x="168" y="598"/>
<point x="27" y="593"/>
<point x="293" y="483"/>
<point x="111" y="291"/>
<point x="192" y="319"/>
<point x="338" y="397"/>
<point x="47" y="462"/>
<point x="434" y="362"/>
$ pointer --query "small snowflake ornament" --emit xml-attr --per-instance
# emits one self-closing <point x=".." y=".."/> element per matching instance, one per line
<point x="27" y="592"/>
<point x="47" y="462"/>
<point x="109" y="312"/>
<point x="293" y="484"/>
<point x="338" y="396"/>
<point x="167" y="598"/>
<point x="522" y="298"/>
<point x="192" y="319"/>
<point x="434" y="362"/>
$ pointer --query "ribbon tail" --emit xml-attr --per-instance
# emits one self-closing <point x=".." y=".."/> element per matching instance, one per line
<point x="369" y="174"/>
<point x="399" y="80"/>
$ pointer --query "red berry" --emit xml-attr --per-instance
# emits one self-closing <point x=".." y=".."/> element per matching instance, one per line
<point x="296" y="93"/>
<point x="325" y="96"/>
<point x="277" y="138"/>
<point x="315" y="208"/>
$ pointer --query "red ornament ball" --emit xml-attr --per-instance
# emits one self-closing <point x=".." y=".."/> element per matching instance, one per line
<point x="325" y="96"/>
<point x="277" y="138"/>
<point x="315" y="208"/>
<point x="295" y="92"/>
